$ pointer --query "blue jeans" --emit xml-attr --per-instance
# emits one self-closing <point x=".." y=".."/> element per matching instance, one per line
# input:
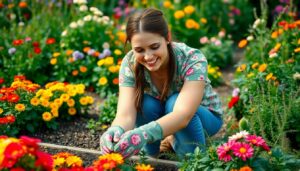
<point x="188" y="138"/>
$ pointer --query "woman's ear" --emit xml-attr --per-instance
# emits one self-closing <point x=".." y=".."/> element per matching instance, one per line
<point x="169" y="38"/>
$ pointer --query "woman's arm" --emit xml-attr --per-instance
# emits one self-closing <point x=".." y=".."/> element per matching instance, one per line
<point x="185" y="107"/>
<point x="126" y="111"/>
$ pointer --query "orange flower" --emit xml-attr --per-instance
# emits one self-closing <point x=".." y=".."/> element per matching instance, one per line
<point x="189" y="9"/>
<point x="22" y="4"/>
<point x="50" y="41"/>
<point x="86" y="49"/>
<point x="69" y="52"/>
<point x="179" y="14"/>
<point x="269" y="76"/>
<point x="47" y="116"/>
<point x="245" y="168"/>
<point x="262" y="67"/>
<point x="116" y="81"/>
<point x="83" y="69"/>
<point x="255" y="65"/>
<point x="167" y="4"/>
<point x="242" y="43"/>
<point x="143" y="167"/>
<point x="72" y="111"/>
<point x="20" y="107"/>
<point x="297" y="50"/>
<point x="75" y="72"/>
<point x="241" y="68"/>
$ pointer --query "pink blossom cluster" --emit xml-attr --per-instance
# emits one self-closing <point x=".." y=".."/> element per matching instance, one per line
<point x="242" y="146"/>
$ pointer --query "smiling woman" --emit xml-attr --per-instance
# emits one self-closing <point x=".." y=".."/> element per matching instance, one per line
<point x="168" y="82"/>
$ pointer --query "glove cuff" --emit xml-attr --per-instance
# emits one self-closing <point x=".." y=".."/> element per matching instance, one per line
<point x="154" y="131"/>
<point x="117" y="127"/>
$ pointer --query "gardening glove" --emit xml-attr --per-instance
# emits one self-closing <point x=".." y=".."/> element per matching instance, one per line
<point x="133" y="141"/>
<point x="110" y="137"/>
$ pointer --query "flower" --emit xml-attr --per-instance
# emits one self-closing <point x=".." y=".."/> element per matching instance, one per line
<point x="242" y="43"/>
<point x="242" y="150"/>
<point x="102" y="81"/>
<point x="20" y="107"/>
<point x="239" y="135"/>
<point x="223" y="151"/>
<point x="47" y="116"/>
<point x="189" y="9"/>
<point x="233" y="101"/>
<point x="262" y="67"/>
<point x="144" y="167"/>
<point x="179" y="14"/>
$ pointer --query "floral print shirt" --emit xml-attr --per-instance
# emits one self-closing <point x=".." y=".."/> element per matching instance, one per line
<point x="191" y="65"/>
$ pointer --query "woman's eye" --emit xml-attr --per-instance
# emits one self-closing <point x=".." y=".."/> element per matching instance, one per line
<point x="154" y="47"/>
<point x="139" y="50"/>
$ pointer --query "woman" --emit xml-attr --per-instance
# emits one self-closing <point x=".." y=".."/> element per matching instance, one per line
<point x="163" y="90"/>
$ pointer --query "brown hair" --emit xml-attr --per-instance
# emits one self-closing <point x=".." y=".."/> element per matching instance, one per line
<point x="152" y="21"/>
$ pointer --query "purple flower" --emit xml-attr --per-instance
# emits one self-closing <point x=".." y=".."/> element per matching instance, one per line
<point x="12" y="51"/>
<point x="77" y="55"/>
<point x="106" y="52"/>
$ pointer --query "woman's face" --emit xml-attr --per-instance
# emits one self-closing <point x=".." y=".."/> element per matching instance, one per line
<point x="150" y="50"/>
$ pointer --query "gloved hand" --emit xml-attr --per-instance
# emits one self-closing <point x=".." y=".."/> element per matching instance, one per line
<point x="132" y="141"/>
<point x="110" y="137"/>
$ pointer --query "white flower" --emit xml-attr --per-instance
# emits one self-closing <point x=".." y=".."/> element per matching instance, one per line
<point x="87" y="18"/>
<point x="12" y="16"/>
<point x="64" y="33"/>
<point x="21" y="23"/>
<point x="73" y="25"/>
<point x="99" y="13"/>
<point x="80" y="23"/>
<point x="249" y="38"/>
<point x="273" y="55"/>
<point x="93" y="9"/>
<point x="296" y="76"/>
<point x="79" y="1"/>
<point x="238" y="136"/>
<point x="235" y="92"/>
<point x="257" y="22"/>
<point x="95" y="18"/>
<point x="105" y="45"/>
<point x="83" y="8"/>
<point x="99" y="20"/>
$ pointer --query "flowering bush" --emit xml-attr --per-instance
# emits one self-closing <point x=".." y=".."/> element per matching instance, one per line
<point x="267" y="79"/>
<point x="23" y="154"/>
<point x="65" y="160"/>
<point x="25" y="102"/>
<point x="92" y="56"/>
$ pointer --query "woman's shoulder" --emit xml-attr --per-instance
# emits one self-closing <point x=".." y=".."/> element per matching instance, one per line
<point x="183" y="48"/>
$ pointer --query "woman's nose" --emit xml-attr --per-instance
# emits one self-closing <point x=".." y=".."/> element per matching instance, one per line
<point x="148" y="55"/>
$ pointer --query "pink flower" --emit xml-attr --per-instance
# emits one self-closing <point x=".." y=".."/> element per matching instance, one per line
<point x="135" y="139"/>
<point x="242" y="150"/>
<point x="145" y="135"/>
<point x="255" y="140"/>
<point x="190" y="71"/>
<point x="224" y="150"/>
<point x="108" y="137"/>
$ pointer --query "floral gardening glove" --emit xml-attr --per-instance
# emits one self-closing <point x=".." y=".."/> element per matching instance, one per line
<point x="133" y="141"/>
<point x="109" y="138"/>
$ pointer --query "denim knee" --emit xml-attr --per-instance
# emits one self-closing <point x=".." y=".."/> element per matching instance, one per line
<point x="170" y="103"/>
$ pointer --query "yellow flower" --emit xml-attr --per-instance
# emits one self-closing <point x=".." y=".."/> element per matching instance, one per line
<point x="118" y="158"/>
<point x="55" y="54"/>
<point x="55" y="112"/>
<point x="90" y="99"/>
<point x="47" y="116"/>
<point x="102" y="81"/>
<point x="1" y="110"/>
<point x="72" y="111"/>
<point x="255" y="65"/>
<point x="34" y="101"/>
<point x="143" y="167"/>
<point x="262" y="67"/>
<point x="277" y="46"/>
<point x="54" y="106"/>
<point x="298" y="41"/>
<point x="71" y="102"/>
<point x="44" y="102"/>
<point x="117" y="52"/>
<point x="251" y="74"/>
<point x="179" y="14"/>
<point x="189" y="9"/>
<point x="211" y="70"/>
<point x="20" y="107"/>
<point x="297" y="50"/>
<point x="190" y="23"/>
<point x="242" y="43"/>
<point x="64" y="97"/>
<point x="109" y="61"/>
<point x="241" y="68"/>
<point x="69" y="52"/>
<point x="113" y="69"/>
<point x="73" y="161"/>
<point x="59" y="161"/>
<point x="269" y="76"/>
<point x="83" y="101"/>
<point x="167" y="4"/>
<point x="203" y="20"/>
<point x="58" y="101"/>
<point x="100" y="62"/>
<point x="53" y="61"/>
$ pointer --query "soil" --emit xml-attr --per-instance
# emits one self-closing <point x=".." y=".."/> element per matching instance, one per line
<point x="75" y="133"/>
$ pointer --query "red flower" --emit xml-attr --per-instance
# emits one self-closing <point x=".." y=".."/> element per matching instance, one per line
<point x="50" y="41"/>
<point x="37" y="50"/>
<point x="18" y="42"/>
<point x="35" y="44"/>
<point x="14" y="151"/>
<point x="233" y="101"/>
<point x="13" y="98"/>
<point x="2" y="80"/>
<point x="10" y="118"/>
<point x="19" y="78"/>
<point x="26" y="16"/>
<point x="45" y="160"/>
<point x="17" y="169"/>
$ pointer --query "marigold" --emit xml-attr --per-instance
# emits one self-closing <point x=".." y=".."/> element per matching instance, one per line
<point x="53" y="61"/>
<point x="109" y="61"/>
<point x="69" y="52"/>
<point x="47" y="116"/>
<point x="72" y="111"/>
<point x="245" y="168"/>
<point x="262" y="67"/>
<point x="167" y="4"/>
<point x="189" y="9"/>
<point x="83" y="101"/>
<point x="143" y="167"/>
<point x="242" y="43"/>
<point x="269" y="76"/>
<point x="190" y="24"/>
<point x="55" y="54"/>
<point x="115" y="81"/>
<point x="100" y="62"/>
<point x="117" y="52"/>
<point x="255" y="65"/>
<point x="83" y="69"/>
<point x="179" y="14"/>
<point x="64" y="97"/>
<point x="297" y="50"/>
<point x="22" y="4"/>
<point x="102" y="81"/>
<point x="75" y="72"/>
<point x="203" y="20"/>
<point x="71" y="102"/>
<point x="241" y="68"/>
<point x="20" y="107"/>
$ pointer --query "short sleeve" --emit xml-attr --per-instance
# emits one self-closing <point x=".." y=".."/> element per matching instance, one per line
<point x="194" y="67"/>
<point x="126" y="74"/>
